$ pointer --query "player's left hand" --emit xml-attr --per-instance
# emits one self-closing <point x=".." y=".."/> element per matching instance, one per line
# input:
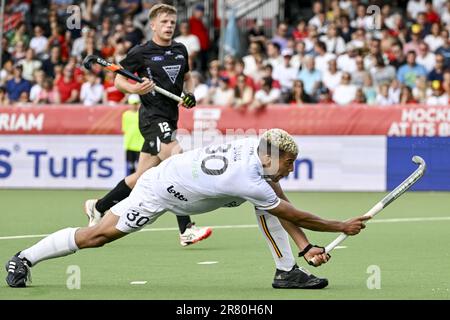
<point x="188" y="100"/>
<point x="319" y="255"/>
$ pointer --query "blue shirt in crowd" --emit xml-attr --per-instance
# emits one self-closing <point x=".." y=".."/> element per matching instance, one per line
<point x="407" y="75"/>
<point x="15" y="89"/>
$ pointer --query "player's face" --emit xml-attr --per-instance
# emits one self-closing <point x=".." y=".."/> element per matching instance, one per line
<point x="163" y="26"/>
<point x="285" y="166"/>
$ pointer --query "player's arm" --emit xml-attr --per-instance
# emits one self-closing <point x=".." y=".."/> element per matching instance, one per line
<point x="122" y="84"/>
<point x="297" y="234"/>
<point x="304" y="219"/>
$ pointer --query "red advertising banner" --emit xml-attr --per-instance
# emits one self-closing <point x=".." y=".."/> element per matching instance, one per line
<point x="395" y="121"/>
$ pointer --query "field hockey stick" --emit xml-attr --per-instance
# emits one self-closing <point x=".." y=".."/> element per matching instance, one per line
<point x="90" y="59"/>
<point x="388" y="199"/>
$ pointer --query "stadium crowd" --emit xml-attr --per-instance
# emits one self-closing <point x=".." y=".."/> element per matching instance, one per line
<point x="341" y="54"/>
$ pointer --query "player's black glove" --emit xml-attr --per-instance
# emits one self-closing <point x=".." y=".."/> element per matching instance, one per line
<point x="309" y="247"/>
<point x="189" y="100"/>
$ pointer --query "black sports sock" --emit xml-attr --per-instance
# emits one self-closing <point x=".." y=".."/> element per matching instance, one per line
<point x="183" y="222"/>
<point x="120" y="192"/>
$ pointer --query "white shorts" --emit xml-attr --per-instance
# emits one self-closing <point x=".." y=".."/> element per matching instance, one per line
<point x="140" y="208"/>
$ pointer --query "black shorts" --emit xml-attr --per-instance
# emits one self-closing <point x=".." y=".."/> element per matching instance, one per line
<point x="156" y="130"/>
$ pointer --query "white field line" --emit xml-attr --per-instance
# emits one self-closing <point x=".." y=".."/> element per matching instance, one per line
<point x="246" y="226"/>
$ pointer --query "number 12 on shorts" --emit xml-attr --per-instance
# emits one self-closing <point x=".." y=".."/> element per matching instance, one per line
<point x="164" y="126"/>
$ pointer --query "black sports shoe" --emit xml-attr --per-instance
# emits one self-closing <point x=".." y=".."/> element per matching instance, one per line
<point x="297" y="278"/>
<point x="18" y="272"/>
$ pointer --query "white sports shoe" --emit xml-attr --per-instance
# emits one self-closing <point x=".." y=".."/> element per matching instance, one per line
<point x="194" y="234"/>
<point x="93" y="214"/>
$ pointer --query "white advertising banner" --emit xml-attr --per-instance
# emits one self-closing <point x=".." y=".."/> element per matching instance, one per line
<point x="69" y="161"/>
<point x="339" y="163"/>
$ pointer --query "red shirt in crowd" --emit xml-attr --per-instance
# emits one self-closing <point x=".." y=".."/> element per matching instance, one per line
<point x="112" y="93"/>
<point x="65" y="88"/>
<point x="199" y="29"/>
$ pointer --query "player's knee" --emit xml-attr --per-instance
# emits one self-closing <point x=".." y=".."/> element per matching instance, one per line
<point x="93" y="239"/>
<point x="132" y="179"/>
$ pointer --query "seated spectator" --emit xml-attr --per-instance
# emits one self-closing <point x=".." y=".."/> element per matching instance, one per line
<point x="254" y="50"/>
<point x="434" y="40"/>
<point x="223" y="95"/>
<point x="332" y="77"/>
<point x="413" y="45"/>
<point x="425" y="57"/>
<point x="190" y="41"/>
<point x="91" y="91"/>
<point x="285" y="74"/>
<point x="409" y="72"/>
<point x="229" y="71"/>
<point x="243" y="93"/>
<point x="298" y="95"/>
<point x="347" y="61"/>
<point x="4" y="101"/>
<point x="112" y="95"/>
<point x="68" y="88"/>
<point x="324" y="96"/>
<point x="7" y="72"/>
<point x="438" y="96"/>
<point x="397" y="58"/>
<point x="39" y="77"/>
<point x="200" y="89"/>
<point x="280" y="36"/>
<point x="274" y="57"/>
<point x="17" y="85"/>
<point x="445" y="49"/>
<point x="383" y="98"/>
<point x="29" y="65"/>
<point x="301" y="31"/>
<point x="299" y="55"/>
<point x="266" y="95"/>
<point x="431" y="15"/>
<point x="48" y="94"/>
<point x="214" y="74"/>
<point x="19" y="52"/>
<point x="346" y="29"/>
<point x="360" y="97"/>
<point x="382" y="73"/>
<point x="438" y="72"/>
<point x="334" y="43"/>
<point x="406" y="96"/>
<point x="370" y="92"/>
<point x="345" y="92"/>
<point x="239" y="70"/>
<point x="310" y="76"/>
<point x="39" y="42"/>
<point x="55" y="59"/>
<point x="323" y="57"/>
<point x="395" y="89"/>
<point x="360" y="73"/>
<point x="133" y="34"/>
<point x="421" y="91"/>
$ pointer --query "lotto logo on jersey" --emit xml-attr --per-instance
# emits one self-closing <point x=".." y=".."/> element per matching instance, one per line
<point x="176" y="194"/>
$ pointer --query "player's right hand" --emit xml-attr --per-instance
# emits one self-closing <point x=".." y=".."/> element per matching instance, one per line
<point x="144" y="87"/>
<point x="354" y="226"/>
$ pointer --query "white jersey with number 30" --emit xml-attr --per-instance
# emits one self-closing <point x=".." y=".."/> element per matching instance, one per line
<point x="205" y="179"/>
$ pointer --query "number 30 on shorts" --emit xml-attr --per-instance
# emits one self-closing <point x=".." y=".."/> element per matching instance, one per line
<point x="135" y="217"/>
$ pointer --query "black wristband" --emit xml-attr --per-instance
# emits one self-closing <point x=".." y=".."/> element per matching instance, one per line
<point x="305" y="250"/>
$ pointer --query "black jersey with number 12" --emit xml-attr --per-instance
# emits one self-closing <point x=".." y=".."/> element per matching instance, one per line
<point x="166" y="66"/>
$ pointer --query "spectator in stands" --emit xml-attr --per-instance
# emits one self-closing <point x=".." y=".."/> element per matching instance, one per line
<point x="347" y="61"/>
<point x="266" y="95"/>
<point x="274" y="57"/>
<point x="223" y="95"/>
<point x="199" y="29"/>
<point x="129" y="7"/>
<point x="360" y="97"/>
<point x="438" y="96"/>
<point x="230" y="69"/>
<point x="360" y="73"/>
<point x="213" y="74"/>
<point x="406" y="96"/>
<point x="298" y="96"/>
<point x="334" y="43"/>
<point x="239" y="70"/>
<point x="370" y="92"/>
<point x="90" y="48"/>
<point x="370" y="60"/>
<point x="190" y="41"/>
<point x="57" y="39"/>
<point x="345" y="29"/>
<point x="431" y="15"/>
<point x="6" y="73"/>
<point x="413" y="44"/>
<point x="19" y="34"/>
<point x="243" y="93"/>
<point x="17" y="85"/>
<point x="39" y="42"/>
<point x="425" y="57"/>
<point x="200" y="88"/>
<point x="408" y="73"/>
<point x="310" y="41"/>
<point x="345" y="92"/>
<point x="414" y="7"/>
<point x="310" y="76"/>
<point x="434" y="40"/>
<point x="4" y="101"/>
<point x="79" y="44"/>
<point x="397" y="59"/>
<point x="111" y="95"/>
<point x="421" y="91"/>
<point x="38" y="78"/>
<point x="395" y="90"/>
<point x="68" y="88"/>
<point x="445" y="13"/>
<point x="19" y="52"/>
<point x="256" y="32"/>
<point x="445" y="49"/>
<point x="300" y="32"/>
<point x="133" y="34"/>
<point x="29" y="65"/>
<point x="382" y="73"/>
<point x="324" y="96"/>
<point x="61" y="6"/>
<point x="55" y="59"/>
<point x="383" y="98"/>
<point x="285" y="74"/>
<point x="254" y="50"/>
<point x="48" y="94"/>
<point x="322" y="57"/>
<point x="438" y="71"/>
<point x="281" y="35"/>
<point x="299" y="55"/>
<point x="332" y="77"/>
<point x="91" y="91"/>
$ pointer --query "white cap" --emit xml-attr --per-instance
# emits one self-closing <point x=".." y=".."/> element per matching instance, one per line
<point x="287" y="52"/>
